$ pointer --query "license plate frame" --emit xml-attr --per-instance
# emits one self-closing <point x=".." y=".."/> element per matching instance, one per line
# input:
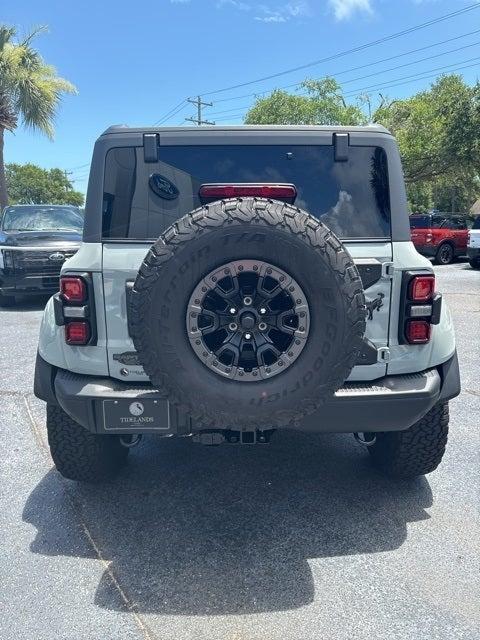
<point x="135" y="415"/>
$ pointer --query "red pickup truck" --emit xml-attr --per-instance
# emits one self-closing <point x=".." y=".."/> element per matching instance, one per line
<point x="439" y="236"/>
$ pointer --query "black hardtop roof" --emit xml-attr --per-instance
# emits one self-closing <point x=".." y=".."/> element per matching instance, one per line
<point x="371" y="129"/>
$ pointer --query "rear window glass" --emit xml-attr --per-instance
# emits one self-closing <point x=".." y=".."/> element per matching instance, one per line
<point x="476" y="223"/>
<point x="142" y="199"/>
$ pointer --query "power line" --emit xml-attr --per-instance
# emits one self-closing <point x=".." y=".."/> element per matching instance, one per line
<point x="171" y="113"/>
<point x="393" y="83"/>
<point x="340" y="54"/>
<point x="82" y="176"/>
<point x="362" y="66"/>
<point x="198" y="102"/>
<point x="414" y="78"/>
<point x="409" y="64"/>
<point x="175" y="110"/>
<point x="376" y="73"/>
<point x="81" y="166"/>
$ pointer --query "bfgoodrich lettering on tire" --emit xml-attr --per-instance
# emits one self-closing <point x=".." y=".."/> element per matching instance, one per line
<point x="267" y="279"/>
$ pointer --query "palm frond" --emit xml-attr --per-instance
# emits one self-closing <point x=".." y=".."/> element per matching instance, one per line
<point x="36" y="31"/>
<point x="29" y="88"/>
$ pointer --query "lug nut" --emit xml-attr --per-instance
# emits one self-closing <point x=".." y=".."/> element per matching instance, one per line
<point x="233" y="311"/>
<point x="263" y="311"/>
<point x="248" y="336"/>
<point x="233" y="326"/>
<point x="262" y="326"/>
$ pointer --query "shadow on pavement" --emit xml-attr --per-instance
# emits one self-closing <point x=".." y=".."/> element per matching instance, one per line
<point x="35" y="303"/>
<point x="195" y="531"/>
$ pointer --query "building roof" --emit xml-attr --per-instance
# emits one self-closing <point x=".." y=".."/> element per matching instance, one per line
<point x="475" y="208"/>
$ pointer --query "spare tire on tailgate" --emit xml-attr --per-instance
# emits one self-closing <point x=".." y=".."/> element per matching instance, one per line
<point x="247" y="312"/>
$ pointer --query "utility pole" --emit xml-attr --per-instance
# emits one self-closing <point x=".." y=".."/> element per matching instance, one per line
<point x="67" y="178"/>
<point x="198" y="101"/>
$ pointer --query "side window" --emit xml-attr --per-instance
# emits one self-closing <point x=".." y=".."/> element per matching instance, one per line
<point x="440" y="223"/>
<point x="455" y="224"/>
<point x="118" y="191"/>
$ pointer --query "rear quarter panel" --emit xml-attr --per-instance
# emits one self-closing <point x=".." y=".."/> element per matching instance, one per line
<point x="406" y="358"/>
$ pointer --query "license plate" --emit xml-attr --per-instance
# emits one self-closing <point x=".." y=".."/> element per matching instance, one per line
<point x="131" y="415"/>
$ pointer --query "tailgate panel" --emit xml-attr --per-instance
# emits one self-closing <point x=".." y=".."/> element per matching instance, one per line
<point x="122" y="261"/>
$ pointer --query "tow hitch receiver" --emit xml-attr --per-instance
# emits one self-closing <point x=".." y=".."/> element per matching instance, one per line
<point x="219" y="436"/>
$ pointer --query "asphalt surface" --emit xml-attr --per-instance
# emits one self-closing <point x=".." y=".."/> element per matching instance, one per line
<point x="296" y="540"/>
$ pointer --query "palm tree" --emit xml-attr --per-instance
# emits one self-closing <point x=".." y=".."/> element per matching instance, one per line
<point x="30" y="91"/>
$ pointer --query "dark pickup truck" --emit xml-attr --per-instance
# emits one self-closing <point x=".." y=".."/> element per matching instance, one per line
<point x="35" y="241"/>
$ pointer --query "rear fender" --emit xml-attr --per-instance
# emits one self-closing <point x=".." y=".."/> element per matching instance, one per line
<point x="52" y="348"/>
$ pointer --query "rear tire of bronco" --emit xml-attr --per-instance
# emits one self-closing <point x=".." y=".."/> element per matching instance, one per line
<point x="445" y="254"/>
<point x="7" y="301"/>
<point x="475" y="264"/>
<point x="79" y="454"/>
<point x="415" y="451"/>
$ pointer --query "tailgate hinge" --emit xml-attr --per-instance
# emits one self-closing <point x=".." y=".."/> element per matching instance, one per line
<point x="383" y="354"/>
<point x="388" y="269"/>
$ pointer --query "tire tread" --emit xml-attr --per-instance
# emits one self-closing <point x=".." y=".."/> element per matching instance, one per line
<point x="417" y="450"/>
<point x="79" y="454"/>
<point x="258" y="212"/>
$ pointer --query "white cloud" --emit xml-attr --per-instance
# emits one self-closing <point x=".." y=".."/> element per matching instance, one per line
<point x="297" y="9"/>
<point x="235" y="4"/>
<point x="274" y="17"/>
<point x="273" y="13"/>
<point x="344" y="9"/>
<point x="284" y="12"/>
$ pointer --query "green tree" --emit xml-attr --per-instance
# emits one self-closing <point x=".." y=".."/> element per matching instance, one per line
<point x="30" y="91"/>
<point x="420" y="197"/>
<point x="29" y="184"/>
<point x="321" y="102"/>
<point x="438" y="131"/>
<point x="457" y="194"/>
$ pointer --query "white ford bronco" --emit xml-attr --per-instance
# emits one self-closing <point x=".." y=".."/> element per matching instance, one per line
<point x="235" y="281"/>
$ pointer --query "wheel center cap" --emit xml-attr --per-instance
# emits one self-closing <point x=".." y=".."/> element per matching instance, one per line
<point x="247" y="321"/>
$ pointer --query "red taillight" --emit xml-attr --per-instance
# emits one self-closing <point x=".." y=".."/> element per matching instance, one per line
<point x="77" y="333"/>
<point x="275" y="191"/>
<point x="417" y="331"/>
<point x="73" y="289"/>
<point x="422" y="288"/>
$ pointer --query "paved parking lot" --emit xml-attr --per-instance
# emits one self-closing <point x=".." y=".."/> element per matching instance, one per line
<point x="298" y="540"/>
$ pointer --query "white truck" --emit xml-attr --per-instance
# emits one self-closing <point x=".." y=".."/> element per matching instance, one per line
<point x="473" y="244"/>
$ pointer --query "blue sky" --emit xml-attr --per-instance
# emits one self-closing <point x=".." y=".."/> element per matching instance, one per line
<point x="134" y="62"/>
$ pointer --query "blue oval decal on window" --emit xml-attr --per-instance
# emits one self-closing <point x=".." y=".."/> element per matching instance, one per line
<point x="163" y="187"/>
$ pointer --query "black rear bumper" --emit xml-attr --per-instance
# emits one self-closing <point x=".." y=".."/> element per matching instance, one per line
<point x="392" y="403"/>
